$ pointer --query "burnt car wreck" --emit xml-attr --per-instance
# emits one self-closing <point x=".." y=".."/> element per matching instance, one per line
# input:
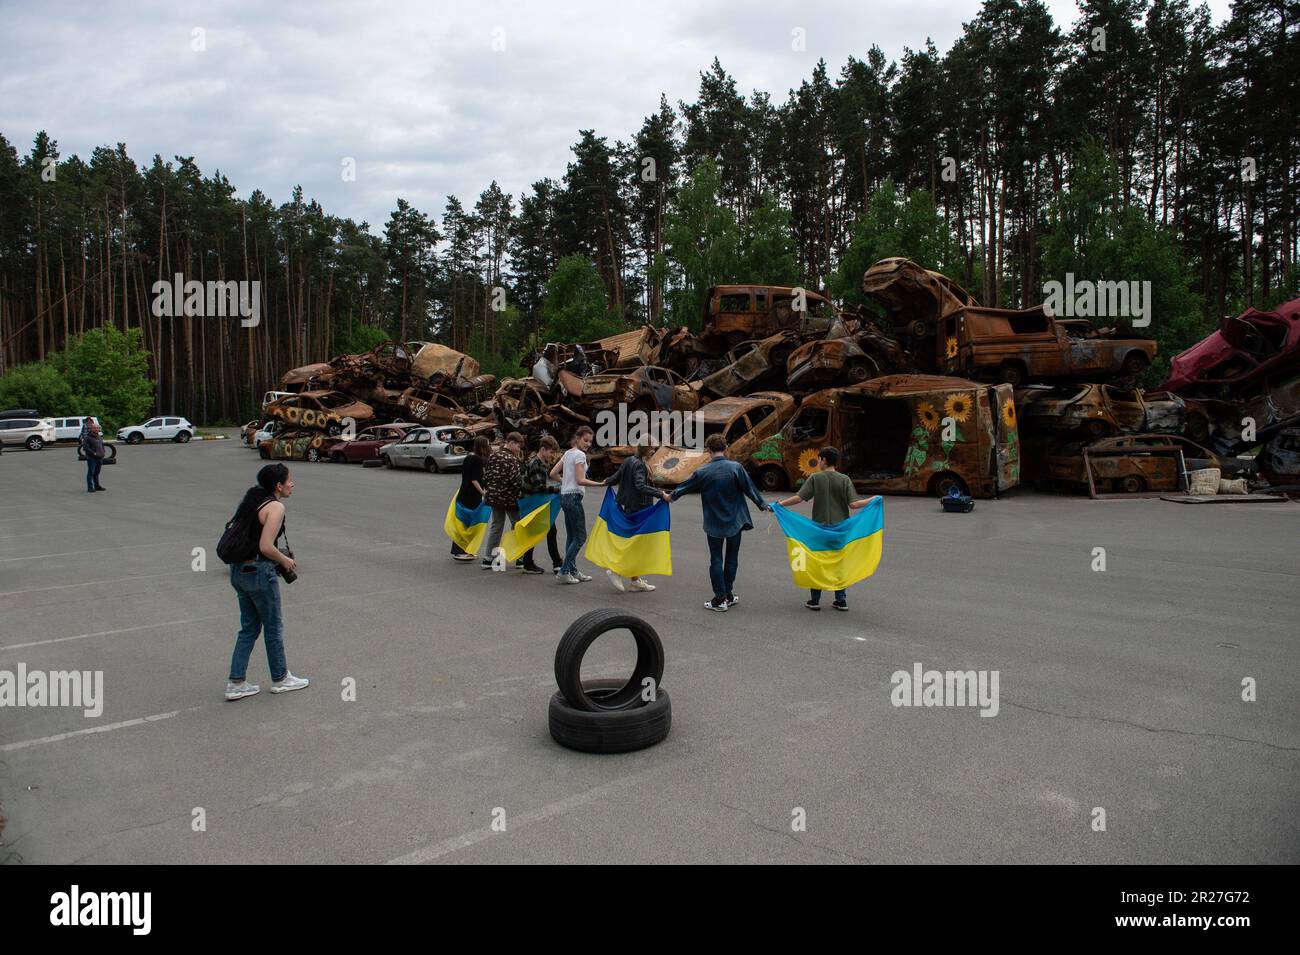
<point x="931" y="393"/>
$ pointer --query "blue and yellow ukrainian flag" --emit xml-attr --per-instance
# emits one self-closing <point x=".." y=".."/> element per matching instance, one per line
<point x="465" y="526"/>
<point x="631" y="544"/>
<point x="536" y="515"/>
<point x="833" y="556"/>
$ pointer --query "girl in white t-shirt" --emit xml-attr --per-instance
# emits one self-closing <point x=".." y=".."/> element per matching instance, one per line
<point x="572" y="470"/>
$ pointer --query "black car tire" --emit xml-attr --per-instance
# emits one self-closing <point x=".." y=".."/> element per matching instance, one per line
<point x="135" y="437"/>
<point x="582" y="633"/>
<point x="182" y="437"/>
<point x="609" y="731"/>
<point x="35" y="443"/>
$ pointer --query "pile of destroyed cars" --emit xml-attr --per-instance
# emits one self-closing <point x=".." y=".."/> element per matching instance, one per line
<point x="942" y="395"/>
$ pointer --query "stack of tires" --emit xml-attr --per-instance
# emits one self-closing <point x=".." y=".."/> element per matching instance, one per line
<point x="609" y="716"/>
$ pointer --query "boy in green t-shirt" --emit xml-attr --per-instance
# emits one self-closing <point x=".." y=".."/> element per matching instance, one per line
<point x="832" y="495"/>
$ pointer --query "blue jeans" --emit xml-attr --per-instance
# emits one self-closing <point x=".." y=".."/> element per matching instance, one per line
<point x="93" y="466"/>
<point x="816" y="596"/>
<point x="259" y="609"/>
<point x="575" y="531"/>
<point x="722" y="572"/>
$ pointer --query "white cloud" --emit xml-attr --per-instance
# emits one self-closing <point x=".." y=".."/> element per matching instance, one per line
<point x="413" y="91"/>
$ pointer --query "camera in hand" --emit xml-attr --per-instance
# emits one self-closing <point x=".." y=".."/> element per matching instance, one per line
<point x="289" y="575"/>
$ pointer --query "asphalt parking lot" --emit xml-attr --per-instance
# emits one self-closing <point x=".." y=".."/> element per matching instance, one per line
<point x="1119" y="690"/>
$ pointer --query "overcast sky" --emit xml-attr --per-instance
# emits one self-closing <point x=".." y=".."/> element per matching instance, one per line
<point x="414" y="92"/>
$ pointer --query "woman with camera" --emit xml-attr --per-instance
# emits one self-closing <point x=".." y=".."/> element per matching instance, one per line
<point x="258" y="589"/>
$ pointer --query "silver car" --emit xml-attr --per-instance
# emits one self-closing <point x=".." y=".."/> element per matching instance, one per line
<point x="34" y="433"/>
<point x="424" y="448"/>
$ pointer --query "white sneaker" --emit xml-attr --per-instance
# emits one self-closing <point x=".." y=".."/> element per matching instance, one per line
<point x="237" y="691"/>
<point x="290" y="682"/>
<point x="583" y="578"/>
<point x="567" y="579"/>
<point x="643" y="586"/>
<point x="617" y="580"/>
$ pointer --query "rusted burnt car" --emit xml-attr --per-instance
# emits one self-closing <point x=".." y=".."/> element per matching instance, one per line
<point x="848" y="360"/>
<point x="295" y="445"/>
<point x="1279" y="460"/>
<point x="916" y="301"/>
<point x="902" y="434"/>
<point x="751" y="363"/>
<point x="327" y="411"/>
<point x="365" y="446"/>
<point x="744" y="422"/>
<point x="647" y="388"/>
<point x="1137" y="463"/>
<point x="1019" y="346"/>
<point x="432" y="358"/>
<point x="1233" y="425"/>
<point x="426" y="405"/>
<point x="1246" y="348"/>
<point x="738" y="313"/>
<point x="306" y="377"/>
<point x="1100" y="410"/>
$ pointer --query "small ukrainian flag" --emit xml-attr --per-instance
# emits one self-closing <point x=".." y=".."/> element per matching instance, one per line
<point x="631" y="544"/>
<point x="536" y="515"/>
<point x="834" y="556"/>
<point x="466" y="527"/>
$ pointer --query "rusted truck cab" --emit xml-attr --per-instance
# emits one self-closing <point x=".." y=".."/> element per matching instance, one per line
<point x="737" y="313"/>
<point x="903" y="434"/>
<point x="1016" y="346"/>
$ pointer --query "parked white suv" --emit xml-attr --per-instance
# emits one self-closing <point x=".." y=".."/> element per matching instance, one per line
<point x="157" y="429"/>
<point x="69" y="429"/>
<point x="35" y="433"/>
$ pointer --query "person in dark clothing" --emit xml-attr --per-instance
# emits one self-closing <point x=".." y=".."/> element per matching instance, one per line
<point x="537" y="472"/>
<point x="504" y="479"/>
<point x="256" y="584"/>
<point x="635" y="493"/>
<point x="471" y="486"/>
<point x="723" y="486"/>
<point x="92" y="446"/>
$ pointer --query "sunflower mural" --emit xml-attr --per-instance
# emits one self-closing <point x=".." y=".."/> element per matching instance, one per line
<point x="1013" y="439"/>
<point x="958" y="407"/>
<point x="950" y="348"/>
<point x="808" y="462"/>
<point x="927" y="419"/>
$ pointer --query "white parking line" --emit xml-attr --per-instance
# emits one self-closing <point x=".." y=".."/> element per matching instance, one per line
<point x="109" y="633"/>
<point x="106" y="728"/>
<point x="559" y="807"/>
<point x="87" y="583"/>
<point x="98" y="550"/>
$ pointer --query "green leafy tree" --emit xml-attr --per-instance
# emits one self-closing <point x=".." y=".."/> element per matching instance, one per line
<point x="576" y="307"/>
<point x="893" y="224"/>
<point x="702" y="245"/>
<point x="1093" y="237"/>
<point x="104" y="373"/>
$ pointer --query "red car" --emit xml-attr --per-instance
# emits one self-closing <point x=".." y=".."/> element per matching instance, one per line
<point x="365" y="446"/>
<point x="1243" y="349"/>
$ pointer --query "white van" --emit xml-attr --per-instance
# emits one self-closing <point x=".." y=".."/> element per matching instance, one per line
<point x="69" y="429"/>
<point x="274" y="396"/>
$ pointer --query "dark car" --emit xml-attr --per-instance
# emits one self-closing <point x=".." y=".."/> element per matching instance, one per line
<point x="365" y="446"/>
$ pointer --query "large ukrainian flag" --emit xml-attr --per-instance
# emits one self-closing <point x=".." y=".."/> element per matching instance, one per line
<point x="536" y="515"/>
<point x="465" y="526"/>
<point x="833" y="556"/>
<point x="631" y="544"/>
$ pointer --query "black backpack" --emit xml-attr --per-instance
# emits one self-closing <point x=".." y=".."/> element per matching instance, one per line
<point x="240" y="540"/>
